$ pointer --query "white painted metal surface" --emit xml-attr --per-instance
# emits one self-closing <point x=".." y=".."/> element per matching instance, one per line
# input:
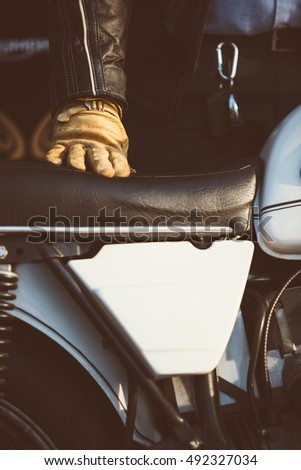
<point x="177" y="303"/>
<point x="278" y="225"/>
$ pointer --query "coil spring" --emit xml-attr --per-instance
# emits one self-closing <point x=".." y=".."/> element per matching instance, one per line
<point x="8" y="282"/>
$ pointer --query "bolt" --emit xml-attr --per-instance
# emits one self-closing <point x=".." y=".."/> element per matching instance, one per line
<point x="3" y="252"/>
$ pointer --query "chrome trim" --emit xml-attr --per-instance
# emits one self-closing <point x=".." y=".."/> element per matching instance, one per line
<point x="280" y="206"/>
<point x="206" y="230"/>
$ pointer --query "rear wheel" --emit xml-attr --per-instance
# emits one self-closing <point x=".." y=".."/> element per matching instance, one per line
<point x="17" y="431"/>
<point x="55" y="397"/>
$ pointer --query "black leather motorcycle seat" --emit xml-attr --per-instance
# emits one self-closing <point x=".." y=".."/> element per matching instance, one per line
<point x="29" y="191"/>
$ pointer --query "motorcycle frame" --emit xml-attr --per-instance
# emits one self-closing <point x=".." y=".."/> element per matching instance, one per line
<point x="22" y="257"/>
<point x="129" y="368"/>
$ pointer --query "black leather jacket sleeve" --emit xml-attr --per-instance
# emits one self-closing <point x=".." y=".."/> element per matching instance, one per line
<point x="87" y="46"/>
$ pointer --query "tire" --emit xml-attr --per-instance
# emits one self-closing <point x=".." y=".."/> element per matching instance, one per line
<point x="58" y="395"/>
<point x="18" y="432"/>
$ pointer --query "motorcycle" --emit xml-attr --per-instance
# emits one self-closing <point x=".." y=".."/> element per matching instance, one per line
<point x="150" y="312"/>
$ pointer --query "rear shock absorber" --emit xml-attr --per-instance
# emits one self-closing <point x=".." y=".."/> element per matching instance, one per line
<point x="8" y="283"/>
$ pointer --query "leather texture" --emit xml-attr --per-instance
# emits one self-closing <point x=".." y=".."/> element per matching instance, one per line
<point x="96" y="44"/>
<point x="31" y="189"/>
<point x="163" y="51"/>
<point x="87" y="45"/>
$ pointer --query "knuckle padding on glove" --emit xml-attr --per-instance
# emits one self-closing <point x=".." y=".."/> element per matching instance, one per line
<point x="99" y="133"/>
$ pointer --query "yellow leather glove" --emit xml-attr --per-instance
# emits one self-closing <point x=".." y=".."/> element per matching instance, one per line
<point x="90" y="131"/>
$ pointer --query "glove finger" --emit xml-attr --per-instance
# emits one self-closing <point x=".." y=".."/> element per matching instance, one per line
<point x="120" y="164"/>
<point x="76" y="157"/>
<point x="56" y="154"/>
<point x="100" y="163"/>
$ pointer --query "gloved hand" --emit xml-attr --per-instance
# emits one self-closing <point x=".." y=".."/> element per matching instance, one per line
<point x="91" y="130"/>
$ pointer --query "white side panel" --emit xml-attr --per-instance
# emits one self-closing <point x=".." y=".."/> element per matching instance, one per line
<point x="177" y="303"/>
<point x="279" y="197"/>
